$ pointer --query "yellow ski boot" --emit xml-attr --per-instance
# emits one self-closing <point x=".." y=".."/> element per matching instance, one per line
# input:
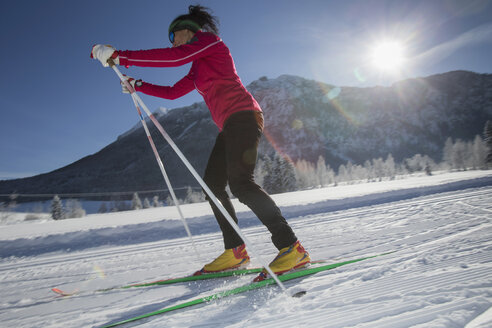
<point x="288" y="258"/>
<point x="232" y="258"/>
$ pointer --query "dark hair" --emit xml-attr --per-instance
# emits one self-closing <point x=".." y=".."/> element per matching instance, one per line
<point x="202" y="16"/>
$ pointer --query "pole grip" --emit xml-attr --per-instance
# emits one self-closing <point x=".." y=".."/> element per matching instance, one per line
<point x="110" y="61"/>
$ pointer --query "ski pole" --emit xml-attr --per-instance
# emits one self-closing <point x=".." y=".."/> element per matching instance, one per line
<point x="161" y="166"/>
<point x="196" y="175"/>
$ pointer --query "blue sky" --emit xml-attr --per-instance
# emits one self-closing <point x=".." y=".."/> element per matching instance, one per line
<point x="57" y="105"/>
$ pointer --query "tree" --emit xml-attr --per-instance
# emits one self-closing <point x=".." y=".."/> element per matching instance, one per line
<point x="447" y="153"/>
<point x="488" y="141"/>
<point x="103" y="208"/>
<point x="369" y="170"/>
<point x="390" y="167"/>
<point x="324" y="173"/>
<point x="194" y="196"/>
<point x="350" y="172"/>
<point x="358" y="172"/>
<point x="415" y="163"/>
<point x="306" y="176"/>
<point x="170" y="201"/>
<point x="6" y="208"/>
<point x="379" y="169"/>
<point x="57" y="212"/>
<point x="343" y="174"/>
<point x="462" y="155"/>
<point x="479" y="153"/>
<point x="280" y="177"/>
<point x="260" y="172"/>
<point x="419" y="163"/>
<point x="74" y="209"/>
<point x="146" y="203"/>
<point x="459" y="155"/>
<point x="136" y="202"/>
<point x="156" y="202"/>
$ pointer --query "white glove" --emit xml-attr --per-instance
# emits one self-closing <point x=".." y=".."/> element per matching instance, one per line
<point x="132" y="82"/>
<point x="103" y="52"/>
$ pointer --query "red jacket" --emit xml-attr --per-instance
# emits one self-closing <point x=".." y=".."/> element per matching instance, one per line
<point x="212" y="74"/>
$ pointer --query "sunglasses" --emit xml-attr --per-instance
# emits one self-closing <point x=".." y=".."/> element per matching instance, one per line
<point x="182" y="25"/>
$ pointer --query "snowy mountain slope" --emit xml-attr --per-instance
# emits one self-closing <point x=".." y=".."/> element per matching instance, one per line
<point x="439" y="276"/>
<point x="304" y="119"/>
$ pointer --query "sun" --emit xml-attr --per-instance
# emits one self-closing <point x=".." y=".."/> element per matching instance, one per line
<point x="388" y="56"/>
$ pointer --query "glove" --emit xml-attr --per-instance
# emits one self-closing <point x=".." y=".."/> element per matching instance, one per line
<point x="103" y="53"/>
<point x="132" y="82"/>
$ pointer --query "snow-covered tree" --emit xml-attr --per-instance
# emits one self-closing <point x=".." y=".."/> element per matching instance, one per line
<point x="324" y="172"/>
<point x="280" y="177"/>
<point x="170" y="201"/>
<point x="479" y="153"/>
<point x="156" y="202"/>
<point x="419" y="163"/>
<point x="74" y="209"/>
<point x="462" y="155"/>
<point x="447" y="153"/>
<point x="194" y="196"/>
<point x="370" y="175"/>
<point x="379" y="168"/>
<point x="260" y="172"/>
<point x="488" y="141"/>
<point x="390" y="167"/>
<point x="146" y="203"/>
<point x="136" y="202"/>
<point x="459" y="155"/>
<point x="350" y="172"/>
<point x="57" y="212"/>
<point x="358" y="172"/>
<point x="7" y="207"/>
<point x="343" y="174"/>
<point x="306" y="176"/>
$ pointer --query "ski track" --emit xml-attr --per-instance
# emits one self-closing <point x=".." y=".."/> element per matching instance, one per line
<point x="439" y="276"/>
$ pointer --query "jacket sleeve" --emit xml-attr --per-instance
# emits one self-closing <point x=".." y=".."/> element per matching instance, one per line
<point x="201" y="46"/>
<point x="182" y="87"/>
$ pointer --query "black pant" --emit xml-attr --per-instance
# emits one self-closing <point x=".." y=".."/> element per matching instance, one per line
<point x="233" y="161"/>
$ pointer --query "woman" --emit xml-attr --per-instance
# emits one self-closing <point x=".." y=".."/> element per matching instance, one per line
<point x="240" y="121"/>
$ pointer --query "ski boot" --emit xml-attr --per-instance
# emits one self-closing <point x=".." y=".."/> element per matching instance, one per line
<point x="232" y="258"/>
<point x="288" y="258"/>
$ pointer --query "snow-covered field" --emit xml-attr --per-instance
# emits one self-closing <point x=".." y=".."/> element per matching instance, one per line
<point x="440" y="274"/>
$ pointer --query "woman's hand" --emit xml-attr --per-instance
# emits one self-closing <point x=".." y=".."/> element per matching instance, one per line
<point x="103" y="52"/>
<point x="131" y="81"/>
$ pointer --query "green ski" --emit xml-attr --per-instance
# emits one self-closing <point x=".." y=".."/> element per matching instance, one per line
<point x="170" y="281"/>
<point x="288" y="276"/>
<point x="215" y="275"/>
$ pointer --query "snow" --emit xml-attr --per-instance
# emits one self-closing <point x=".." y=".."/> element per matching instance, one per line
<point x="440" y="274"/>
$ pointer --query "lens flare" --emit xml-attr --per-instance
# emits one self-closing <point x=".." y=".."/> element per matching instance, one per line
<point x="333" y="93"/>
<point x="332" y="96"/>
<point x="98" y="272"/>
<point x="297" y="124"/>
<point x="359" y="76"/>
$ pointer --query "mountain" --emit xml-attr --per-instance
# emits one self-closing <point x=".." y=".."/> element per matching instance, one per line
<point x="304" y="119"/>
<point x="307" y="118"/>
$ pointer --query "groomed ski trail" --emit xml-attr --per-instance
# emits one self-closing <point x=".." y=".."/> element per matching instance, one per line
<point x="439" y="277"/>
